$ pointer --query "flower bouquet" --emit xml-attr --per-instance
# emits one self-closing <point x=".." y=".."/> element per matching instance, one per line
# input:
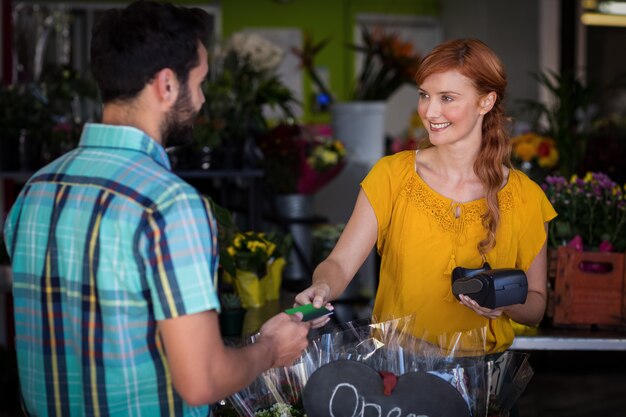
<point x="592" y="212"/>
<point x="300" y="159"/>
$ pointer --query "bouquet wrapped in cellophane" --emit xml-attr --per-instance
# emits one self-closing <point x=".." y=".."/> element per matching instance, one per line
<point x="388" y="347"/>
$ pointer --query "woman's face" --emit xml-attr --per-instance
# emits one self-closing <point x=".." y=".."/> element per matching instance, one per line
<point x="451" y="108"/>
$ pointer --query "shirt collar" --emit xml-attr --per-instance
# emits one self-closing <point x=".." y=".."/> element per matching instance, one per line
<point x="97" y="135"/>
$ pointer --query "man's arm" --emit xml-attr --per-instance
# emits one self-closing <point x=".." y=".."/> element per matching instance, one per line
<point x="205" y="371"/>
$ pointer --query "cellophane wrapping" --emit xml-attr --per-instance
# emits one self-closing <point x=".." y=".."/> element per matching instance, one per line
<point x="489" y="385"/>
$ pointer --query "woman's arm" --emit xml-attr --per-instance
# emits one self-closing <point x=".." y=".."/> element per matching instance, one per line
<point x="332" y="276"/>
<point x="531" y="312"/>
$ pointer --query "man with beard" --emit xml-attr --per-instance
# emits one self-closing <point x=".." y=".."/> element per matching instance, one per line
<point x="114" y="257"/>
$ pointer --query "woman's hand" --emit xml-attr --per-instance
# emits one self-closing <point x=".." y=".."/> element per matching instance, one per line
<point x="318" y="295"/>
<point x="481" y="311"/>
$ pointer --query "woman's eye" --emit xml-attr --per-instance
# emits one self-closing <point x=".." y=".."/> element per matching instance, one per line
<point x="446" y="98"/>
<point x="423" y="95"/>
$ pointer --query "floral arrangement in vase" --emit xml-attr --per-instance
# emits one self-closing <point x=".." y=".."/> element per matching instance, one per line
<point x="242" y="80"/>
<point x="591" y="212"/>
<point x="249" y="251"/>
<point x="253" y="263"/>
<point x="388" y="63"/>
<point x="300" y="159"/>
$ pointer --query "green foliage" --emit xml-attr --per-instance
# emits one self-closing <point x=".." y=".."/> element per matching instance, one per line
<point x="283" y="243"/>
<point x="235" y="94"/>
<point x="226" y="229"/>
<point x="388" y="64"/>
<point x="281" y="410"/>
<point x="567" y="116"/>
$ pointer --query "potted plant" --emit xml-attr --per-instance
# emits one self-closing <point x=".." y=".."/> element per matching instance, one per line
<point x="298" y="162"/>
<point x="566" y="118"/>
<point x="242" y="81"/>
<point x="388" y="64"/>
<point x="300" y="159"/>
<point x="245" y="264"/>
<point x="588" y="235"/>
<point x="232" y="315"/>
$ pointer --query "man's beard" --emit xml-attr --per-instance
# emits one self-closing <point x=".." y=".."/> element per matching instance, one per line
<point x="177" y="128"/>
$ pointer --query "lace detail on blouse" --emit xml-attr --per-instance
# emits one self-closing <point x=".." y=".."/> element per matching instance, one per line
<point x="443" y="209"/>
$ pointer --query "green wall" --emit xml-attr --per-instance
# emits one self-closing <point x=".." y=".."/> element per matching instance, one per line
<point x="332" y="19"/>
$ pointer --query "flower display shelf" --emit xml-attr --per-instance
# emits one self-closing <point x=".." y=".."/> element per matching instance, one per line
<point x="589" y="289"/>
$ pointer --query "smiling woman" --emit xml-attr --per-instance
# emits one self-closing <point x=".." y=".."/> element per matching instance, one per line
<point x="455" y="202"/>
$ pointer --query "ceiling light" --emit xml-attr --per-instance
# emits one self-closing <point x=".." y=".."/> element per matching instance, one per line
<point x="602" y="19"/>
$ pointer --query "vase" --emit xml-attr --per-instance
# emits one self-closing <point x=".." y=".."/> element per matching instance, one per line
<point x="231" y="322"/>
<point x="295" y="211"/>
<point x="273" y="280"/>
<point x="249" y="287"/>
<point x="360" y="125"/>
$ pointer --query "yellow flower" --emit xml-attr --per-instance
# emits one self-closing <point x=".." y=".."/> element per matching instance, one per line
<point x="525" y="151"/>
<point x="231" y="251"/>
<point x="271" y="247"/>
<point x="339" y="146"/>
<point x="237" y="240"/>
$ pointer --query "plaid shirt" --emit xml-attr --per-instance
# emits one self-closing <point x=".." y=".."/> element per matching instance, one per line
<point x="104" y="242"/>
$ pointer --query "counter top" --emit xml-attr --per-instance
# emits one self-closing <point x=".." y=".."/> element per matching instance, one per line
<point x="569" y="339"/>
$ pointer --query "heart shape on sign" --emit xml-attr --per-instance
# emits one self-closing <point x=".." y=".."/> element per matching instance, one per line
<point x="346" y="388"/>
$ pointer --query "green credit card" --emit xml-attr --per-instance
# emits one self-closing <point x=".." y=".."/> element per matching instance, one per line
<point x="309" y="312"/>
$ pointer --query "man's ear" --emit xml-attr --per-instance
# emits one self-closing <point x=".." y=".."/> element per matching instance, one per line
<point x="487" y="102"/>
<point x="166" y="86"/>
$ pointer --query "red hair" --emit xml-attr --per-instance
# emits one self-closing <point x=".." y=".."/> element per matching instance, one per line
<point x="476" y="61"/>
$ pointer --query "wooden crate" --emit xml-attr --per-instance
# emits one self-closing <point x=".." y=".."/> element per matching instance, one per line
<point x="589" y="289"/>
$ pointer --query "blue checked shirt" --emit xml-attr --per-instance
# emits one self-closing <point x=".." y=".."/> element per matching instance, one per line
<point x="104" y="242"/>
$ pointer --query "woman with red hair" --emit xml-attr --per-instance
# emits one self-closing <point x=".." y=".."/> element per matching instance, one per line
<point x="457" y="201"/>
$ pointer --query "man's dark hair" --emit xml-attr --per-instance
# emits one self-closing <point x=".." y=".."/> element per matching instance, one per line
<point x="129" y="46"/>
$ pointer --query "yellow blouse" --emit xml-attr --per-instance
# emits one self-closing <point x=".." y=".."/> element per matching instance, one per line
<point x="420" y="241"/>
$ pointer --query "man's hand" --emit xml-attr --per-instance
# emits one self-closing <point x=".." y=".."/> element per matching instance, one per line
<point x="286" y="336"/>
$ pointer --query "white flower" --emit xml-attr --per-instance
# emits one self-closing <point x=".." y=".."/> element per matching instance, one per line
<point x="263" y="54"/>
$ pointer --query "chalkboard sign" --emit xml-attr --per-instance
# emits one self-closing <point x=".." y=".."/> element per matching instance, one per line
<point x="352" y="389"/>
